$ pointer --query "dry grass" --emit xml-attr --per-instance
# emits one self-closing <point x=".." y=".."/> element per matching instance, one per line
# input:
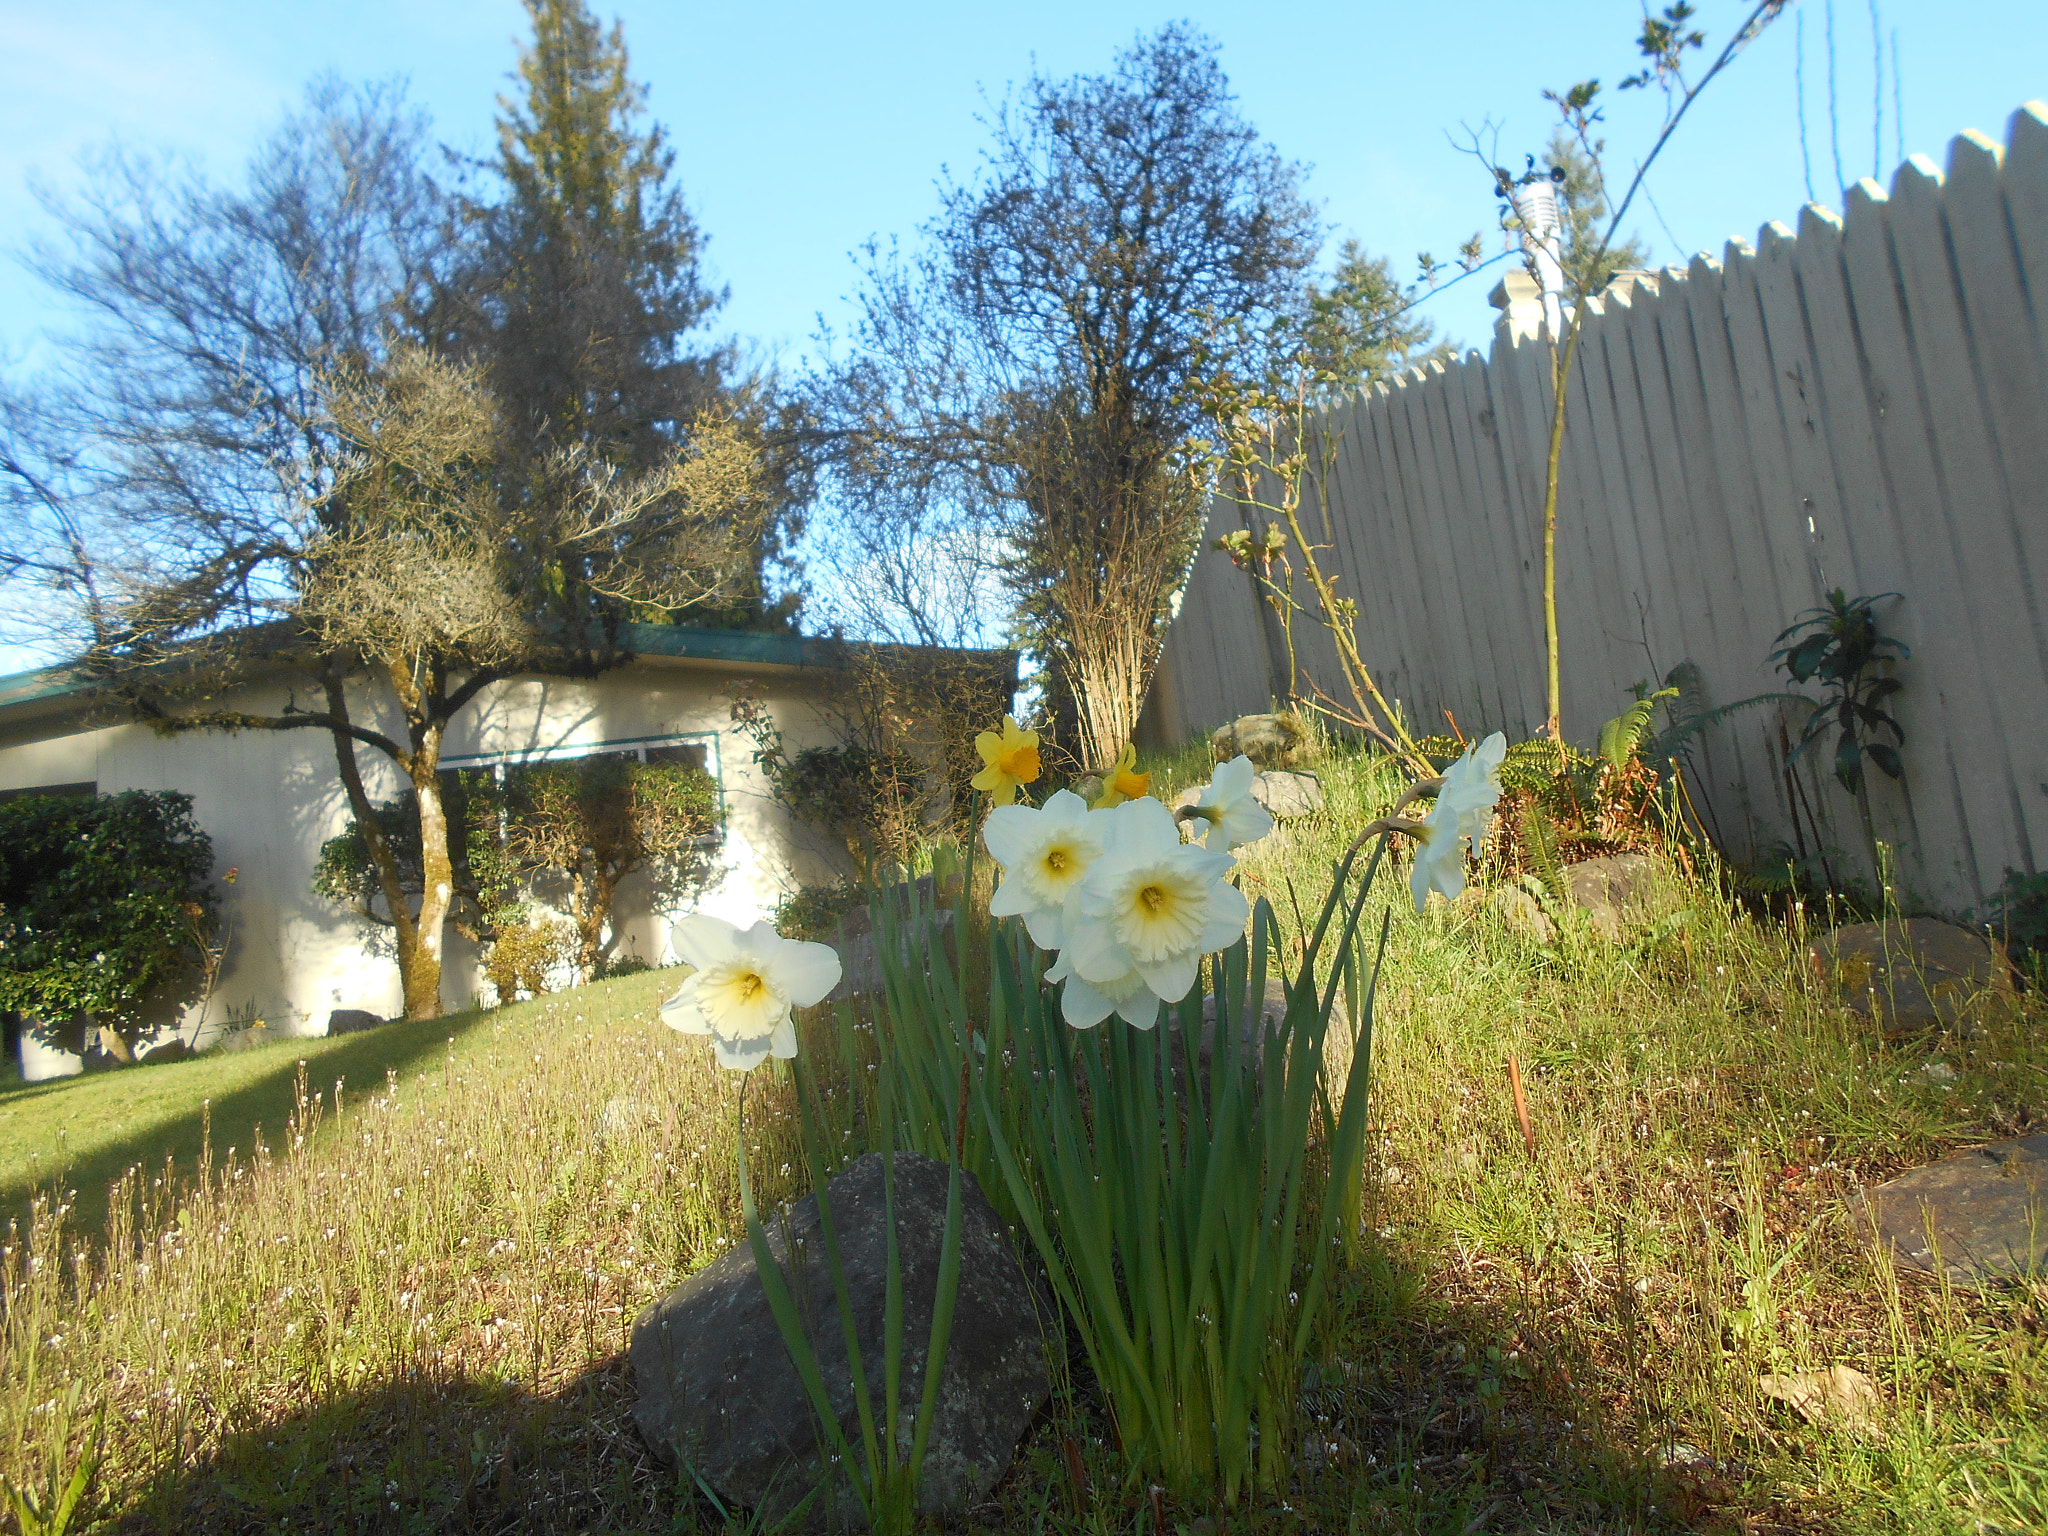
<point x="408" y="1314"/>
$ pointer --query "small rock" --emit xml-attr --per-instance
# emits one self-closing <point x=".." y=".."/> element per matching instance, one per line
<point x="1980" y="1215"/>
<point x="169" y="1051"/>
<point x="716" y="1380"/>
<point x="1840" y="1393"/>
<point x="1916" y="974"/>
<point x="1272" y="1011"/>
<point x="1270" y="741"/>
<point x="1680" y="1457"/>
<point x="1521" y="913"/>
<point x="1938" y="1072"/>
<point x="1286" y="795"/>
<point x="351" y="1021"/>
<point x="1622" y="891"/>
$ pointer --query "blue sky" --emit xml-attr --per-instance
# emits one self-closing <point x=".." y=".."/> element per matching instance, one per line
<point x="802" y="129"/>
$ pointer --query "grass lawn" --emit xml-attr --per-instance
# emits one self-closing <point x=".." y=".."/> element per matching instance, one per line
<point x="407" y="1312"/>
<point x="82" y="1133"/>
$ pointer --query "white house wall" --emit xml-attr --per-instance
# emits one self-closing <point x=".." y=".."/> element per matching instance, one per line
<point x="269" y="799"/>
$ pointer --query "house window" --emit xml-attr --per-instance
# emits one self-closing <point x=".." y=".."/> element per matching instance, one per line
<point x="694" y="749"/>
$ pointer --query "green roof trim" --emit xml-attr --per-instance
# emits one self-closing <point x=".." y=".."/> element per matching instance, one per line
<point x="746" y="647"/>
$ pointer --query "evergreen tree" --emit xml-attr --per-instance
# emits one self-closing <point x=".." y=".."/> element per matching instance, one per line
<point x="585" y="296"/>
<point x="1358" y="330"/>
<point x="1583" y="200"/>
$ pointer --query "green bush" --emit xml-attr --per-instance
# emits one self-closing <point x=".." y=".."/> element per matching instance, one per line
<point x="103" y="905"/>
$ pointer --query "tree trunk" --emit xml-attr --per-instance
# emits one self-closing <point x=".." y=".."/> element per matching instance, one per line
<point x="437" y="871"/>
<point x="404" y="932"/>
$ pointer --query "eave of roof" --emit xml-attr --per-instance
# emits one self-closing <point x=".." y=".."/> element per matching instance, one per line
<point x="753" y="648"/>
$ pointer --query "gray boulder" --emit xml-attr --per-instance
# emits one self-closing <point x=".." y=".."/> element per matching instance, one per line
<point x="923" y="915"/>
<point x="1287" y="795"/>
<point x="1978" y="1216"/>
<point x="1623" y="891"/>
<point x="1270" y="741"/>
<point x="717" y="1385"/>
<point x="1915" y="974"/>
<point x="351" y="1021"/>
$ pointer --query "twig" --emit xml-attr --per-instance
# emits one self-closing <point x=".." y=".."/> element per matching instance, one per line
<point x="1521" y="1105"/>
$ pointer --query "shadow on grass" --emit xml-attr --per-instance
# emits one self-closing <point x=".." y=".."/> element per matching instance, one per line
<point x="266" y="1099"/>
<point x="428" y="1452"/>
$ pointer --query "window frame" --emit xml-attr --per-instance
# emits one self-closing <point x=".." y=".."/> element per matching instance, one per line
<point x="639" y="746"/>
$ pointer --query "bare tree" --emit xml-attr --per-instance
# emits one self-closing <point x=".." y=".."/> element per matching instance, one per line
<point x="1026" y="373"/>
<point x="239" y="471"/>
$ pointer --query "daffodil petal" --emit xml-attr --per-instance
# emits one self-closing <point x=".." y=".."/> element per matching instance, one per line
<point x="700" y="939"/>
<point x="782" y="1043"/>
<point x="740" y="1055"/>
<point x="1171" y="979"/>
<point x="1228" y="914"/>
<point x="805" y="972"/>
<point x="1010" y="831"/>
<point x="682" y="1013"/>
<point x="1140" y="1011"/>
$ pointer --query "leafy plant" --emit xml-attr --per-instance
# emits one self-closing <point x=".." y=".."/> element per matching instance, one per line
<point x="51" y="1513"/>
<point x="2020" y="910"/>
<point x="523" y="952"/>
<point x="813" y="911"/>
<point x="589" y="823"/>
<point x="1841" y="648"/>
<point x="103" y="903"/>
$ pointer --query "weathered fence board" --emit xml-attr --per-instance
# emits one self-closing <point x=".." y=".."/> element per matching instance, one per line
<point x="1862" y="404"/>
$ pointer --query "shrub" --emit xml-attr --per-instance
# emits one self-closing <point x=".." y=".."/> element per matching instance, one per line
<point x="812" y="913"/>
<point x="523" y="953"/>
<point x="103" y="906"/>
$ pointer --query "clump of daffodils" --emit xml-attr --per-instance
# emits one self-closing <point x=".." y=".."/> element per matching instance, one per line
<point x="1128" y="906"/>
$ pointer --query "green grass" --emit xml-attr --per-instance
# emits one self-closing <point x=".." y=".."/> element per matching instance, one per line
<point x="84" y="1132"/>
<point x="409" y="1315"/>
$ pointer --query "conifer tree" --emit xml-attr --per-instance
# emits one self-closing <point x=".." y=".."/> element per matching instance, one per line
<point x="585" y="298"/>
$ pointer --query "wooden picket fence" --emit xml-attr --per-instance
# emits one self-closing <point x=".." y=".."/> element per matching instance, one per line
<point x="1862" y="404"/>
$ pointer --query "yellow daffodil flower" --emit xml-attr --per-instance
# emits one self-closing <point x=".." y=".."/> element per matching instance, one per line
<point x="1009" y="758"/>
<point x="1123" y="782"/>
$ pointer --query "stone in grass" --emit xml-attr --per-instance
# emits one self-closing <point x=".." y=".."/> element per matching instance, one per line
<point x="1272" y="1011"/>
<point x="1288" y="795"/>
<point x="1521" y="913"/>
<point x="621" y="1122"/>
<point x="351" y="1021"/>
<point x="1623" y="891"/>
<point x="717" y="1385"/>
<point x="925" y="914"/>
<point x="1978" y="1216"/>
<point x="1270" y="741"/>
<point x="1841" y="1394"/>
<point x="1916" y="974"/>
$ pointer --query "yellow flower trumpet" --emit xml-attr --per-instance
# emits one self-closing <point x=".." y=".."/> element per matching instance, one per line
<point x="1009" y="758"/>
<point x="1123" y="782"/>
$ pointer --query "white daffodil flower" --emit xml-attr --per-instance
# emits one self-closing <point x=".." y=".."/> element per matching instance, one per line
<point x="746" y="984"/>
<point x="1150" y="904"/>
<point x="1234" y="818"/>
<point x="1044" y="853"/>
<point x="1464" y="808"/>
<point x="1085" y="1004"/>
